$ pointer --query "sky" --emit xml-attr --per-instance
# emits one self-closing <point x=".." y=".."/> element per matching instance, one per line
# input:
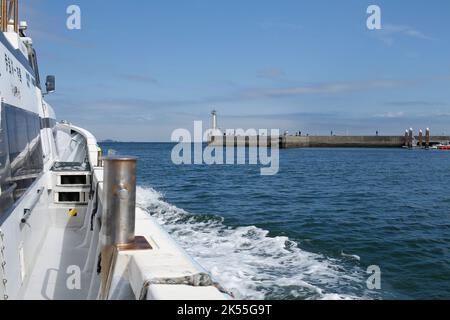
<point x="137" y="70"/>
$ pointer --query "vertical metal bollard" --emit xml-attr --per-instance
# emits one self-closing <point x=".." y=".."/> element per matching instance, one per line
<point x="100" y="158"/>
<point x="120" y="200"/>
<point x="420" y="138"/>
<point x="411" y="138"/>
<point x="119" y="215"/>
<point x="407" y="138"/>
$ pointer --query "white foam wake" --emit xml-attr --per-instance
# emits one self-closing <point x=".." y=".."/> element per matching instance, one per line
<point x="249" y="263"/>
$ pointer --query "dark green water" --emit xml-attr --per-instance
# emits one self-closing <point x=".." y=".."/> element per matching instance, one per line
<point x="299" y="234"/>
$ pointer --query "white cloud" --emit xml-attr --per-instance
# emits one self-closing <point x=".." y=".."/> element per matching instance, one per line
<point x="390" y="32"/>
<point x="391" y="115"/>
<point x="329" y="88"/>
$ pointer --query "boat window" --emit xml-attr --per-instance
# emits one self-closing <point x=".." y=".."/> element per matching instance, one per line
<point x="25" y="149"/>
<point x="48" y="123"/>
<point x="6" y="188"/>
<point x="34" y="65"/>
<point x="3" y="147"/>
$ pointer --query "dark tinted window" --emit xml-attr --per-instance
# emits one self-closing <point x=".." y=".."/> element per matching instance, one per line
<point x="17" y="136"/>
<point x="34" y="65"/>
<point x="25" y="149"/>
<point x="48" y="123"/>
<point x="3" y="147"/>
<point x="35" y="156"/>
<point x="7" y="188"/>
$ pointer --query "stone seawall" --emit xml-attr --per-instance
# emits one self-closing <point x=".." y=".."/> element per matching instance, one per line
<point x="343" y="142"/>
<point x="287" y="142"/>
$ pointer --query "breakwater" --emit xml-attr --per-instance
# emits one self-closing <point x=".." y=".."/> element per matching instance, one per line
<point x="287" y="142"/>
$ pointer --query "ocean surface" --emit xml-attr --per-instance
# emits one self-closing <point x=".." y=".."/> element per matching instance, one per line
<point x="312" y="231"/>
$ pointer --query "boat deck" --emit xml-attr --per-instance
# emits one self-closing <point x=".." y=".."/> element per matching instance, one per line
<point x="51" y="274"/>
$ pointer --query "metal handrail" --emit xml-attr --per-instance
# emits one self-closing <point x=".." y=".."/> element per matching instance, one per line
<point x="28" y="211"/>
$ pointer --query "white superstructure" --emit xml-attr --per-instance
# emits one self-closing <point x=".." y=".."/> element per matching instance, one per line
<point x="52" y="203"/>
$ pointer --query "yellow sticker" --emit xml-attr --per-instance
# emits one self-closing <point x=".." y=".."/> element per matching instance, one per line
<point x="73" y="213"/>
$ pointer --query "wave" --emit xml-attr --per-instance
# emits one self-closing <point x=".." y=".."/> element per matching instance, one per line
<point x="251" y="264"/>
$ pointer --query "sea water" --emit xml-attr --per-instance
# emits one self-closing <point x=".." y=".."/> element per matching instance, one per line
<point x="313" y="230"/>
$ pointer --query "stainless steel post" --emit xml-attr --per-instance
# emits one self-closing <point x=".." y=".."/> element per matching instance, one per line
<point x="411" y="137"/>
<point x="120" y="201"/>
<point x="119" y="215"/>
<point x="407" y="138"/>
<point x="100" y="158"/>
<point x="420" y="138"/>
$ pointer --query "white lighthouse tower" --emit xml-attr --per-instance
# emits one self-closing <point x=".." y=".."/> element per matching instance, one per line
<point x="215" y="131"/>
<point x="214" y="120"/>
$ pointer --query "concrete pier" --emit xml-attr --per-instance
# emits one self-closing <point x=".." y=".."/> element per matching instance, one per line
<point x="288" y="142"/>
<point x="343" y="142"/>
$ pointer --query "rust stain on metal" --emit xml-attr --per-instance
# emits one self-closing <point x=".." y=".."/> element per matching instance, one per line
<point x="140" y="243"/>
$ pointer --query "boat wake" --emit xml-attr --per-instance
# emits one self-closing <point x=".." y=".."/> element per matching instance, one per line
<point x="251" y="264"/>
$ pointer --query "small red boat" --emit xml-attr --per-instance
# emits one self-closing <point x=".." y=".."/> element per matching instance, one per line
<point x="444" y="147"/>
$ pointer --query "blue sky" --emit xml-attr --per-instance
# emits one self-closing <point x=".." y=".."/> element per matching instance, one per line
<point x="139" y="70"/>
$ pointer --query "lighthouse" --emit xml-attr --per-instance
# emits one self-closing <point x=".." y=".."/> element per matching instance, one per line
<point x="214" y="121"/>
<point x="215" y="131"/>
